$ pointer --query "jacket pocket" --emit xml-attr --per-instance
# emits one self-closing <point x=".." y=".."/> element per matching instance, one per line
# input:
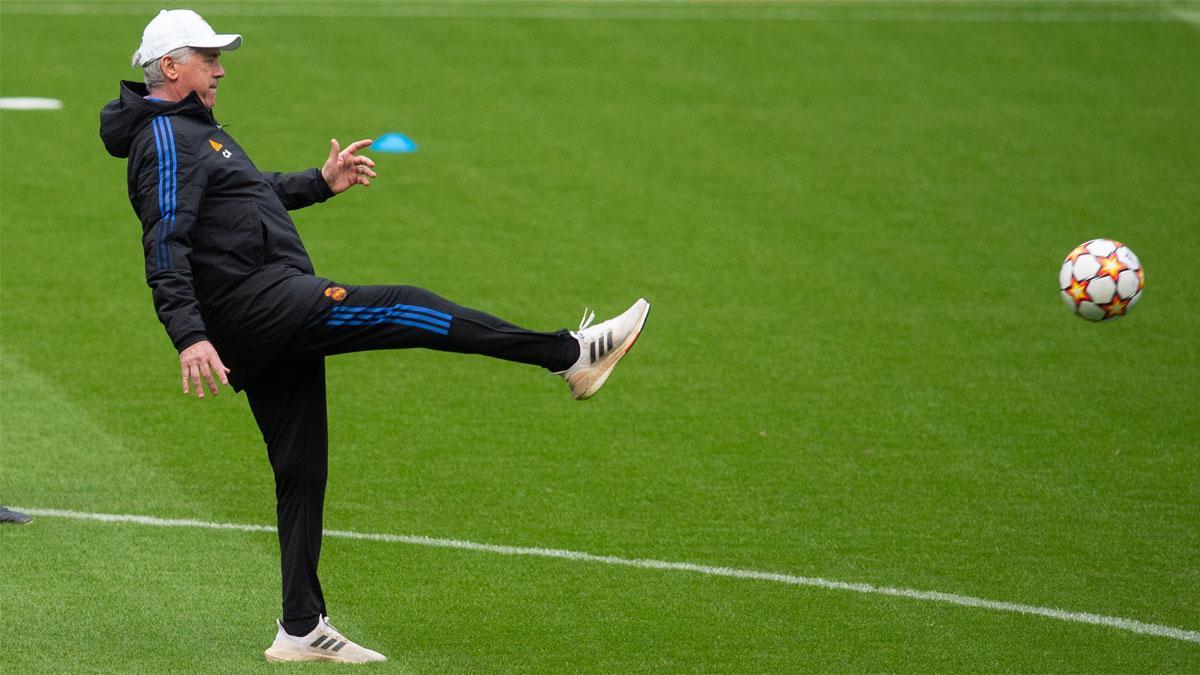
<point x="264" y="242"/>
<point x="231" y="238"/>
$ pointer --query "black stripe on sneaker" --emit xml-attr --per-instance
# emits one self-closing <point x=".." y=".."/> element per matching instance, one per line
<point x="609" y="341"/>
<point x="593" y="352"/>
<point x="339" y="645"/>
<point x="318" y="641"/>
<point x="329" y="644"/>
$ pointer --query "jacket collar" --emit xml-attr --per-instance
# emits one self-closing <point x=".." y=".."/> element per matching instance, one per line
<point x="134" y="94"/>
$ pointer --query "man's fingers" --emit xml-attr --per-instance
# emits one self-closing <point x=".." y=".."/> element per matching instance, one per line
<point x="193" y="375"/>
<point x="358" y="145"/>
<point x="207" y="372"/>
<point x="364" y="161"/>
<point x="196" y="373"/>
<point x="197" y="364"/>
<point x="334" y="149"/>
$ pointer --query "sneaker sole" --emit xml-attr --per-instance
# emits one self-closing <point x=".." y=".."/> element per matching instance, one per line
<point x="598" y="376"/>
<point x="288" y="657"/>
<point x="282" y="656"/>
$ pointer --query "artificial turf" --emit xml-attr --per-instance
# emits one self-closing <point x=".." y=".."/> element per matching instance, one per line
<point x="849" y="218"/>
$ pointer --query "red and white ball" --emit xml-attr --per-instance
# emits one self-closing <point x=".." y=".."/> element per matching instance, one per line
<point x="1101" y="279"/>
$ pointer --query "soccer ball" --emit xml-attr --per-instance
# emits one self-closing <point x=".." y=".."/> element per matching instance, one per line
<point x="1101" y="279"/>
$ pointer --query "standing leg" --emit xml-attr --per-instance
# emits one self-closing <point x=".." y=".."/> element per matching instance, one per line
<point x="288" y="401"/>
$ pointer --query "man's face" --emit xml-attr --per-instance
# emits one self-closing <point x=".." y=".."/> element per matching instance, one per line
<point x="200" y="74"/>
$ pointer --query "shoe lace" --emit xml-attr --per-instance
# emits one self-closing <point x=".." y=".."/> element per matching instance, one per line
<point x="333" y="631"/>
<point x="588" y="317"/>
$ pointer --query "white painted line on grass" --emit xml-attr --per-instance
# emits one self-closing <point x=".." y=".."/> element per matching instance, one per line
<point x="929" y="596"/>
<point x="29" y="103"/>
<point x="1188" y="16"/>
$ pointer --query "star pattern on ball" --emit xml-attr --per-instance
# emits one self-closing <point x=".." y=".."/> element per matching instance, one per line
<point x="1116" y="307"/>
<point x="1077" y="291"/>
<point x="1079" y="250"/>
<point x="1111" y="266"/>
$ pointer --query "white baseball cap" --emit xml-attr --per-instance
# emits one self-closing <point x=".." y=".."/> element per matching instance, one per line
<point x="175" y="28"/>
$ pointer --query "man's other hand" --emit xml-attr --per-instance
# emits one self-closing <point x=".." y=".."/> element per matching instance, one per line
<point x="345" y="168"/>
<point x="198" y="360"/>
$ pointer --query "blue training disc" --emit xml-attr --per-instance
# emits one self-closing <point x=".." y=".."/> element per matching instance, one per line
<point x="393" y="142"/>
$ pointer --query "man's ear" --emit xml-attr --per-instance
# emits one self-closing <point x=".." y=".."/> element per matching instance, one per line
<point x="170" y="68"/>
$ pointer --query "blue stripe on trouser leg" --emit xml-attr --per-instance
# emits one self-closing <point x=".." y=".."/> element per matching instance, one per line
<point x="400" y="315"/>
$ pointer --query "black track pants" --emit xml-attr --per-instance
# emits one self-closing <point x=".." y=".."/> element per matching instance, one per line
<point x="288" y="402"/>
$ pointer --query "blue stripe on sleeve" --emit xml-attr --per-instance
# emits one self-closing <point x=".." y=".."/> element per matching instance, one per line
<point x="164" y="140"/>
<point x="158" y="147"/>
<point x="174" y="188"/>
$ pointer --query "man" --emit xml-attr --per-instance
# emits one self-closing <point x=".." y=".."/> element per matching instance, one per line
<point x="237" y="294"/>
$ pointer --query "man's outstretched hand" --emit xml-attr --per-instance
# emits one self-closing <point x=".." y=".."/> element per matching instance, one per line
<point x="200" y="360"/>
<point x="345" y="168"/>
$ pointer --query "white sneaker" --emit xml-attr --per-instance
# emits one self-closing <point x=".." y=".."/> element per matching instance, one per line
<point x="324" y="643"/>
<point x="601" y="346"/>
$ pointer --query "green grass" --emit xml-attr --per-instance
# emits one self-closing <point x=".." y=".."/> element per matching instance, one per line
<point x="849" y="218"/>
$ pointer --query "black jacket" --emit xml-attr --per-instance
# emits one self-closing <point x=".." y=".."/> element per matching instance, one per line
<point x="223" y="258"/>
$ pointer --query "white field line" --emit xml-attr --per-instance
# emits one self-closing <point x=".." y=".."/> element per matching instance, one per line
<point x="1130" y="625"/>
<point x="1191" y="16"/>
<point x="915" y="11"/>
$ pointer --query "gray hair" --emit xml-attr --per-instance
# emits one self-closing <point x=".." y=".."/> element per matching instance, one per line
<point x="152" y="72"/>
